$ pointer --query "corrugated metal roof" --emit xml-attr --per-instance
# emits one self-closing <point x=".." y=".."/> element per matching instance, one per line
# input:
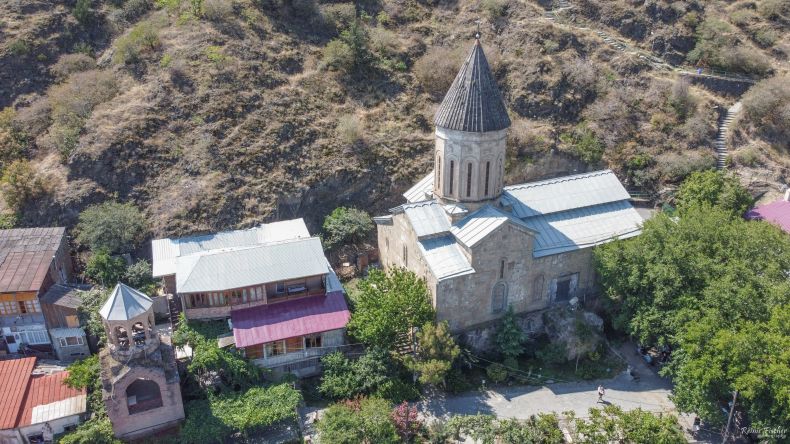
<point x="166" y="252"/>
<point x="422" y="190"/>
<point x="69" y="332"/>
<point x="298" y="317"/>
<point x="777" y="213"/>
<point x="48" y="398"/>
<point x="564" y="193"/>
<point x="125" y="303"/>
<point x="444" y="257"/>
<point x="427" y="218"/>
<point x="475" y="227"/>
<point x="15" y="375"/>
<point x="25" y="257"/>
<point x="63" y="296"/>
<point x="583" y="227"/>
<point x="237" y="268"/>
<point x="473" y="102"/>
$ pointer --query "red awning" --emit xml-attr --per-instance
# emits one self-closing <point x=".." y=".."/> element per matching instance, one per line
<point x="299" y="317"/>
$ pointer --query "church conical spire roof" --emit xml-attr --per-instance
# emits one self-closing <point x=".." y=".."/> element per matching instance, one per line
<point x="473" y="102"/>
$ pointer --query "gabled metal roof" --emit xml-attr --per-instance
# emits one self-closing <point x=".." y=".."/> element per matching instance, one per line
<point x="427" y="218"/>
<point x="473" y="102"/>
<point x="166" y="251"/>
<point x="245" y="267"/>
<point x="125" y="303"/>
<point x="583" y="227"/>
<point x="444" y="257"/>
<point x="475" y="227"/>
<point x="564" y="193"/>
<point x="422" y="190"/>
<point x="26" y="255"/>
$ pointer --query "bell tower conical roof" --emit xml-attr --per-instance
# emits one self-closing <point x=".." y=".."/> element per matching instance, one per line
<point x="473" y="102"/>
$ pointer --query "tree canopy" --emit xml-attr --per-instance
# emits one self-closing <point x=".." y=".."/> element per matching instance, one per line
<point x="111" y="226"/>
<point x="612" y="424"/>
<point x="365" y="421"/>
<point x="712" y="187"/>
<point x="714" y="287"/>
<point x="346" y="225"/>
<point x="388" y="306"/>
<point x="436" y="351"/>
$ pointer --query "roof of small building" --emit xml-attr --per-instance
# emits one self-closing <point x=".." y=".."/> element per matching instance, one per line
<point x="289" y="319"/>
<point x="63" y="295"/>
<point x="422" y="190"/>
<point x="67" y="332"/>
<point x="564" y="193"/>
<point x="427" y="218"/>
<point x="244" y="267"/>
<point x="27" y="399"/>
<point x="125" y="303"/>
<point x="166" y="252"/>
<point x="473" y="102"/>
<point x="777" y="213"/>
<point x="26" y="255"/>
<point x="476" y="226"/>
<point x="444" y="257"/>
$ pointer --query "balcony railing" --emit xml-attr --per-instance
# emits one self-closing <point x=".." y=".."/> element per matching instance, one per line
<point x="307" y="353"/>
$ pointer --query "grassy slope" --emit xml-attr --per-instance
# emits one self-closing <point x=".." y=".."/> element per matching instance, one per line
<point x="233" y="119"/>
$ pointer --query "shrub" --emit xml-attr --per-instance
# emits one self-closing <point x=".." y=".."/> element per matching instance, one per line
<point x="494" y="8"/>
<point x="436" y="70"/>
<point x="383" y="41"/>
<point x="134" y="9"/>
<point x="681" y="99"/>
<point x="13" y="139"/>
<point x="552" y="353"/>
<point x="767" y="106"/>
<point x="674" y="167"/>
<point x="20" y="184"/>
<point x="88" y="311"/>
<point x="345" y="379"/>
<point x="94" y="431"/>
<point x="748" y="156"/>
<point x="69" y="64"/>
<point x="305" y="9"/>
<point x="714" y="188"/>
<point x="436" y="351"/>
<point x="338" y="15"/>
<point x="139" y="276"/>
<point x="338" y="56"/>
<point x="82" y="12"/>
<point x="509" y="337"/>
<point x="774" y="9"/>
<point x="584" y="144"/>
<point x="346" y="225"/>
<point x="142" y="38"/>
<point x="349" y="129"/>
<point x="111" y="226"/>
<point x="496" y="372"/>
<point x="742" y="17"/>
<point x="217" y="10"/>
<point x="718" y="46"/>
<point x="406" y="421"/>
<point x="766" y="36"/>
<point x="367" y="420"/>
<point x="104" y="269"/>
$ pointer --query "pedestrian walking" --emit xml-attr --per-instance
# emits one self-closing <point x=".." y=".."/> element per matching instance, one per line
<point x="601" y="392"/>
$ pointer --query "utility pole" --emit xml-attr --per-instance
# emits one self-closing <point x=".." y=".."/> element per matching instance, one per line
<point x="729" y="418"/>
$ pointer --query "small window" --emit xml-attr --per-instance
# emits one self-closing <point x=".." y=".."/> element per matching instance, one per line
<point x="468" y="179"/>
<point x="312" y="341"/>
<point x="275" y="348"/>
<point x="502" y="269"/>
<point x="280" y="288"/>
<point x="405" y="256"/>
<point x="563" y="290"/>
<point x="488" y="171"/>
<point x="438" y="172"/>
<point x="452" y="175"/>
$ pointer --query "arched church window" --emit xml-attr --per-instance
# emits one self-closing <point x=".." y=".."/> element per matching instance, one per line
<point x="488" y="172"/>
<point x="452" y="175"/>
<point x="468" y="179"/>
<point x="438" y="172"/>
<point x="143" y="395"/>
<point x="499" y="298"/>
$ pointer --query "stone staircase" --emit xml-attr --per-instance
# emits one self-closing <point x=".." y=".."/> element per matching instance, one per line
<point x="721" y="138"/>
<point x="174" y="308"/>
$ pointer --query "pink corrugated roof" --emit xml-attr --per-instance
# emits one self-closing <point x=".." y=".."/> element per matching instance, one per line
<point x="289" y="319"/>
<point x="15" y="377"/>
<point x="777" y="213"/>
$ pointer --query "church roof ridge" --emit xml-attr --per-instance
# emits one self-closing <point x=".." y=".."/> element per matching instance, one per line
<point x="556" y="180"/>
<point x="473" y="103"/>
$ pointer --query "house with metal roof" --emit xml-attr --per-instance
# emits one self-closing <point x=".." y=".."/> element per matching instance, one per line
<point x="35" y="407"/>
<point x="482" y="246"/>
<point x="31" y="261"/>
<point x="60" y="306"/>
<point x="273" y="282"/>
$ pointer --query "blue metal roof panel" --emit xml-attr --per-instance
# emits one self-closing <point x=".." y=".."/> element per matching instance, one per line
<point x="427" y="218"/>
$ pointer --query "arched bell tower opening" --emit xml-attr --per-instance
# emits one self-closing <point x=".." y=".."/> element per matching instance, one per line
<point x="471" y="135"/>
<point x="128" y="319"/>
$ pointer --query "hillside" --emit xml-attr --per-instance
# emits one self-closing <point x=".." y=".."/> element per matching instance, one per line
<point x="212" y="114"/>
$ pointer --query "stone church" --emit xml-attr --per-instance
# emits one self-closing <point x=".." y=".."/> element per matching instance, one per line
<point x="482" y="246"/>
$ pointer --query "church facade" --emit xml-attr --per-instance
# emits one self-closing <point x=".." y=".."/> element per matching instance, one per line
<point x="482" y="246"/>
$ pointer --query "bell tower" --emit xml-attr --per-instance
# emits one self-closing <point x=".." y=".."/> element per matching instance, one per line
<point x="471" y="134"/>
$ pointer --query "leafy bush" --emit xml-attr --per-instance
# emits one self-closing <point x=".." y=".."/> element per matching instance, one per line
<point x="142" y="38"/>
<point x="496" y="372"/>
<point x="69" y="64"/>
<point x="111" y="226"/>
<point x="675" y="167"/>
<point x="349" y="129"/>
<point x="88" y="311"/>
<point x="139" y="276"/>
<point x="338" y="56"/>
<point x="584" y="144"/>
<point x="13" y="139"/>
<point x="346" y="225"/>
<point x="436" y="70"/>
<point x="345" y="379"/>
<point x="19" y="47"/>
<point x="714" y="188"/>
<point x="767" y="107"/>
<point x="338" y="15"/>
<point x="20" y="184"/>
<point x="494" y="8"/>
<point x="552" y="353"/>
<point x="389" y="305"/>
<point x="509" y="337"/>
<point x="104" y="269"/>
<point x="92" y="431"/>
<point x="396" y="389"/>
<point x="406" y="421"/>
<point x="383" y="41"/>
<point x="367" y="420"/>
<point x="613" y="424"/>
<point x="85" y="374"/>
<point x="82" y="12"/>
<point x="436" y="351"/>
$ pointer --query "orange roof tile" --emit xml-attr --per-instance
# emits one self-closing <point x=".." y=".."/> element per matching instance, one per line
<point x="15" y="374"/>
<point x="48" y="389"/>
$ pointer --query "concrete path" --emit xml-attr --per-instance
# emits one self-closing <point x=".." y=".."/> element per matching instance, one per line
<point x="650" y="392"/>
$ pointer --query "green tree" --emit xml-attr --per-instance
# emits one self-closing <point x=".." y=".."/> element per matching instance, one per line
<point x="704" y="284"/>
<point x="139" y="276"/>
<point x="366" y="421"/>
<point x="436" y="351"/>
<point x="346" y="225"/>
<point x="509" y="337"/>
<point x="714" y="188"/>
<point x="612" y="424"/>
<point x="20" y="184"/>
<point x="357" y="39"/>
<point x="86" y="374"/>
<point x="88" y="312"/>
<point x="104" y="269"/>
<point x="111" y="226"/>
<point x="389" y="306"/>
<point x="92" y="431"/>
